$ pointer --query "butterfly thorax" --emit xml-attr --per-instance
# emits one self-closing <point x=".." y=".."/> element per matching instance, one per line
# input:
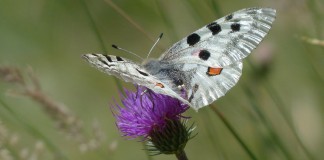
<point x="153" y="66"/>
<point x="169" y="73"/>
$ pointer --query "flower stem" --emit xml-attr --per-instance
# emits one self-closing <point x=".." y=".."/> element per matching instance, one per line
<point x="234" y="133"/>
<point x="181" y="155"/>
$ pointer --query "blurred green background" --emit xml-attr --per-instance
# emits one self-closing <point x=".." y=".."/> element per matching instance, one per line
<point x="276" y="109"/>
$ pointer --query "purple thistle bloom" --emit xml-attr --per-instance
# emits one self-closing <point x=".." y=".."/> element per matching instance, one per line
<point x="144" y="113"/>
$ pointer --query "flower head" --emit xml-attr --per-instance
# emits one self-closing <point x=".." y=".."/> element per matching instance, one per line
<point x="156" y="118"/>
<point x="144" y="112"/>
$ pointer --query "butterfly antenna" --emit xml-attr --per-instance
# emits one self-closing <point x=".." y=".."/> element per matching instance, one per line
<point x="127" y="51"/>
<point x="154" y="45"/>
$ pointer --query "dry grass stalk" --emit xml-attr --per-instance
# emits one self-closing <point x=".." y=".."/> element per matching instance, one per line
<point x="9" y="143"/>
<point x="29" y="86"/>
<point x="313" y="41"/>
<point x="70" y="124"/>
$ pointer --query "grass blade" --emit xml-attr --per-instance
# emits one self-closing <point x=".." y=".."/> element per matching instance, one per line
<point x="35" y="132"/>
<point x="233" y="132"/>
<point x="100" y="39"/>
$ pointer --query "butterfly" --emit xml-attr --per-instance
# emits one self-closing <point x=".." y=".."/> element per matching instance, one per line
<point x="201" y="67"/>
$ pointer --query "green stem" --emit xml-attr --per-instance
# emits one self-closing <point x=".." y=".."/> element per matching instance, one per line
<point x="274" y="136"/>
<point x="284" y="113"/>
<point x="181" y="155"/>
<point x="279" y="103"/>
<point x="166" y="19"/>
<point x="234" y="133"/>
<point x="100" y="39"/>
<point x="213" y="137"/>
<point x="129" y="19"/>
<point x="215" y="7"/>
<point x="94" y="27"/>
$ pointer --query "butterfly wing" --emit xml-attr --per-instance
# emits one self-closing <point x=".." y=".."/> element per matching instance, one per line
<point x="211" y="56"/>
<point x="130" y="72"/>
<point x="199" y="84"/>
<point x="224" y="41"/>
<point x="209" y="84"/>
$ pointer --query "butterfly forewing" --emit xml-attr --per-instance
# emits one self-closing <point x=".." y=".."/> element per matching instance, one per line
<point x="130" y="71"/>
<point x="224" y="41"/>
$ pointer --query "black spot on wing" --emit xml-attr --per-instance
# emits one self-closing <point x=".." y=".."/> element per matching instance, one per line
<point x="229" y="17"/>
<point x="214" y="28"/>
<point x="235" y="27"/>
<point x="142" y="73"/>
<point x="204" y="55"/>
<point x="108" y="58"/>
<point x="193" y="39"/>
<point x="104" y="62"/>
<point x="119" y="58"/>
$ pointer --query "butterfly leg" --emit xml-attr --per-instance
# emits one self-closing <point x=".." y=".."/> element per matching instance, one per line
<point x="183" y="91"/>
<point x="145" y="91"/>
<point x="194" y="90"/>
<point x="149" y="95"/>
<point x="141" y="94"/>
<point x="137" y="91"/>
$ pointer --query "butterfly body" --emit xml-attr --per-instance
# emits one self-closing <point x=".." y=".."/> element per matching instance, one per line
<point x="201" y="67"/>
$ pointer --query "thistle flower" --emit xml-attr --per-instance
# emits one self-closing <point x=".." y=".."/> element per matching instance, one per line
<point x="155" y="118"/>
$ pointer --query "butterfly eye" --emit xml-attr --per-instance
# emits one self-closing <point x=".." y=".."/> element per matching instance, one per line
<point x="178" y="82"/>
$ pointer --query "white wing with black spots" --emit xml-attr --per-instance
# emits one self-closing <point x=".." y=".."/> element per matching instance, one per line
<point x="206" y="88"/>
<point x="224" y="41"/>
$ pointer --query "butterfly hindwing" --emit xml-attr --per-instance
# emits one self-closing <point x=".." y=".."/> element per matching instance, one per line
<point x="198" y="84"/>
<point x="211" y="83"/>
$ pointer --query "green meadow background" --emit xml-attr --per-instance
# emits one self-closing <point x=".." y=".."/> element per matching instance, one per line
<point x="54" y="106"/>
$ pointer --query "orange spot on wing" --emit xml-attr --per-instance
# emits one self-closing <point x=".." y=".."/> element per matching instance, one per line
<point x="159" y="85"/>
<point x="214" y="71"/>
